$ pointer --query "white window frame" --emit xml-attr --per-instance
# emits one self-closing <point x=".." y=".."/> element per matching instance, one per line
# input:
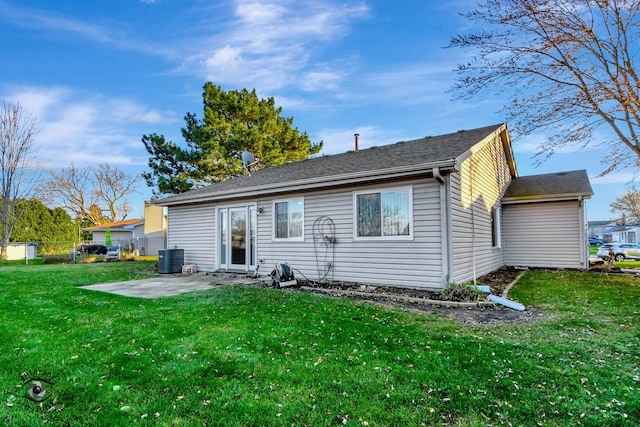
<point x="496" y="229"/>
<point x="252" y="244"/>
<point x="275" y="220"/>
<point x="404" y="189"/>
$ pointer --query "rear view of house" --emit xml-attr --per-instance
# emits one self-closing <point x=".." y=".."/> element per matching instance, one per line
<point x="416" y="214"/>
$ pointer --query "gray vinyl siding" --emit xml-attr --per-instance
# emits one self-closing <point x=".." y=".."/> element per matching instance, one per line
<point x="412" y="263"/>
<point x="544" y="235"/>
<point x="475" y="190"/>
<point x="192" y="228"/>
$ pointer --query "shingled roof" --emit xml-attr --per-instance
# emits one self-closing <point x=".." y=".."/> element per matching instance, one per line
<point x="550" y="186"/>
<point x="402" y="159"/>
<point x="126" y="224"/>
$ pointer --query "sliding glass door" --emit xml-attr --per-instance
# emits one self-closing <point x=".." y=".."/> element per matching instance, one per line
<point x="237" y="238"/>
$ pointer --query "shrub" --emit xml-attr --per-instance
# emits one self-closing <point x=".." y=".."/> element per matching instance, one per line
<point x="460" y="292"/>
<point x="57" y="259"/>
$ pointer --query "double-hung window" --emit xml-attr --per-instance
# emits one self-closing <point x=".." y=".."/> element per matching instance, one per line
<point x="289" y="219"/>
<point x="384" y="214"/>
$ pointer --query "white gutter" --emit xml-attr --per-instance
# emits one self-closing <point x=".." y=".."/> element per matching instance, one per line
<point x="506" y="302"/>
<point x="545" y="198"/>
<point x="582" y="232"/>
<point x="446" y="262"/>
<point x="436" y="174"/>
<point x="307" y="184"/>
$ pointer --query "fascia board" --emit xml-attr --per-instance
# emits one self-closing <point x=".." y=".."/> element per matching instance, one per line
<point x="545" y="198"/>
<point x="315" y="183"/>
<point x="500" y="132"/>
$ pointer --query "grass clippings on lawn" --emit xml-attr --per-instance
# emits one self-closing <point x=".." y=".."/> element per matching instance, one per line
<point x="253" y="356"/>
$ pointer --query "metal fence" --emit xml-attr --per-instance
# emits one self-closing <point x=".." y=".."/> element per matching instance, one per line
<point x="72" y="252"/>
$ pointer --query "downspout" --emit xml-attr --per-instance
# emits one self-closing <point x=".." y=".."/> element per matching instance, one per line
<point x="445" y="227"/>
<point x="582" y="214"/>
<point x="437" y="175"/>
<point x="473" y="225"/>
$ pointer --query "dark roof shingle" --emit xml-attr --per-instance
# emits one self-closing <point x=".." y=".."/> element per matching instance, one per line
<point x="429" y="150"/>
<point x="549" y="186"/>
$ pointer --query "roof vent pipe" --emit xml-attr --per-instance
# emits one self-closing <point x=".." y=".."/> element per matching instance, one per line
<point x="356" y="135"/>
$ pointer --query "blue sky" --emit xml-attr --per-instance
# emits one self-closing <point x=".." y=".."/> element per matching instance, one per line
<point x="99" y="75"/>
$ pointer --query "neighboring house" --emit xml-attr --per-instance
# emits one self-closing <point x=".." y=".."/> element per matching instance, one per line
<point x="623" y="233"/>
<point x="598" y="228"/>
<point x="155" y="229"/>
<point x="416" y="214"/>
<point x="123" y="233"/>
<point x="146" y="235"/>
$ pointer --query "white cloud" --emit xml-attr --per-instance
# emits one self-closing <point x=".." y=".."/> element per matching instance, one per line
<point x="532" y="143"/>
<point x="319" y="80"/>
<point x="40" y="19"/>
<point x="256" y="13"/>
<point x="81" y="128"/>
<point x="38" y="101"/>
<point x="627" y="178"/>
<point x="126" y="111"/>
<point x="271" y="45"/>
<point x="342" y="140"/>
<point x="411" y="84"/>
<point x="43" y="20"/>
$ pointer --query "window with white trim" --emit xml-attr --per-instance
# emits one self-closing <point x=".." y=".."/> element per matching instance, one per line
<point x="495" y="227"/>
<point x="289" y="219"/>
<point x="384" y="214"/>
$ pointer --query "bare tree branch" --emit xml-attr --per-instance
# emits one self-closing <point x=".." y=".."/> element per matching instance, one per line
<point x="567" y="67"/>
<point x="68" y="188"/>
<point x="111" y="186"/>
<point x="96" y="196"/>
<point x="628" y="204"/>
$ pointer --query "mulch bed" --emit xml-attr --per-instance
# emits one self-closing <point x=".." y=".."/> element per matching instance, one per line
<point x="496" y="314"/>
<point x="497" y="281"/>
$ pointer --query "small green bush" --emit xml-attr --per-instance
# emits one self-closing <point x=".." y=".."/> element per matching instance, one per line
<point x="460" y="292"/>
<point x="58" y="259"/>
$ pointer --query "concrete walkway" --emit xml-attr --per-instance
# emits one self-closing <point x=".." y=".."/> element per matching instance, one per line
<point x="172" y="284"/>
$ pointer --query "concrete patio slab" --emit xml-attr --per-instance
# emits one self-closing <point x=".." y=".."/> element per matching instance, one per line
<point x="163" y="286"/>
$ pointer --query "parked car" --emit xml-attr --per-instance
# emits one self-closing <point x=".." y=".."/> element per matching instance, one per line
<point x="92" y="249"/>
<point x="621" y="251"/>
<point x="113" y="253"/>
<point x="597" y="241"/>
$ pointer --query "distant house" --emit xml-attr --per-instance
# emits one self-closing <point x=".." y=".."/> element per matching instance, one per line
<point x="146" y="235"/>
<point x="155" y="229"/>
<point x="623" y="233"/>
<point x="418" y="214"/>
<point x="599" y="228"/>
<point x="123" y="233"/>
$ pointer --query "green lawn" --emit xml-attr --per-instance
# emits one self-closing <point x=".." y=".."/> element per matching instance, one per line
<point x="253" y="356"/>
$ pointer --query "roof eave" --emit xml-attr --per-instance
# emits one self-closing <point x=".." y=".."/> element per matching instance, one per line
<point x="503" y="134"/>
<point x="546" y="198"/>
<point x="423" y="169"/>
<point x="115" y="229"/>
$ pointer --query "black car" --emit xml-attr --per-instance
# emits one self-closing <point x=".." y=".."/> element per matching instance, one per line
<point x="92" y="249"/>
<point x="596" y="241"/>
